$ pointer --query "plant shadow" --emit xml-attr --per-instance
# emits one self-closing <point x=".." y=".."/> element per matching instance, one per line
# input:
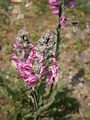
<point x="76" y="78"/>
<point x="64" y="105"/>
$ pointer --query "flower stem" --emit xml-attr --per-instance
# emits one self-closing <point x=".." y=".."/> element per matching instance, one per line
<point x="35" y="103"/>
<point x="58" y="32"/>
<point x="58" y="39"/>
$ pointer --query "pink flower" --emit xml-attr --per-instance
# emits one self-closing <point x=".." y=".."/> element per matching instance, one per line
<point x="23" y="73"/>
<point x="14" y="58"/>
<point x="54" y="9"/>
<point x="52" y="1"/>
<point x="24" y="69"/>
<point x="63" y="20"/>
<point x="23" y="53"/>
<point x="50" y="79"/>
<point x="42" y="59"/>
<point x="31" y="80"/>
<point x="53" y="71"/>
<point x="15" y="45"/>
<point x="31" y="56"/>
<point x="23" y="65"/>
<point x="27" y="66"/>
<point x="54" y="5"/>
<point x="42" y="69"/>
<point x="72" y="3"/>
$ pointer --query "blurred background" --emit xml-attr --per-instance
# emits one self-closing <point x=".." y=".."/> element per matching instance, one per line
<point x="73" y="98"/>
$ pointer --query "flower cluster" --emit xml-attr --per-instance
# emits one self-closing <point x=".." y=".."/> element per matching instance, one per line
<point x="57" y="5"/>
<point x="35" y="63"/>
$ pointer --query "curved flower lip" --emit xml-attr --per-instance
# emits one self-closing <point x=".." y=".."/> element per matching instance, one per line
<point x="54" y="6"/>
<point x="23" y="65"/>
<point x="54" y="9"/>
<point x="23" y="73"/>
<point x="27" y="66"/>
<point x="50" y="79"/>
<point x="14" y="58"/>
<point x="15" y="45"/>
<point x="42" y="59"/>
<point x="42" y="70"/>
<point x="31" y="57"/>
<point x="31" y="80"/>
<point x="63" y="20"/>
<point x="24" y="53"/>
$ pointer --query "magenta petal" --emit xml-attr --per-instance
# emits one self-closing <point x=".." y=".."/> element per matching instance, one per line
<point x="63" y="20"/>
<point x="50" y="78"/>
<point x="55" y="11"/>
<point x="52" y="1"/>
<point x="54" y="69"/>
<point x="31" y="57"/>
<point x="42" y="70"/>
<point x="31" y="80"/>
<point x="14" y="58"/>
<point x="27" y="66"/>
<point x="72" y="4"/>
<point x="15" y="45"/>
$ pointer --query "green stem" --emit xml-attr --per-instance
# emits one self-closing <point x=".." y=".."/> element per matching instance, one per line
<point x="58" y="33"/>
<point x="50" y="102"/>
<point x="35" y="103"/>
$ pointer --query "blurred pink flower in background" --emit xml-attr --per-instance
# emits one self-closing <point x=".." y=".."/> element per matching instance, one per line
<point x="54" y="6"/>
<point x="72" y="3"/>
<point x="63" y="20"/>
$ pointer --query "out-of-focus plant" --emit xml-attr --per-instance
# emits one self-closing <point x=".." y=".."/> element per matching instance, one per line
<point x="5" y="4"/>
